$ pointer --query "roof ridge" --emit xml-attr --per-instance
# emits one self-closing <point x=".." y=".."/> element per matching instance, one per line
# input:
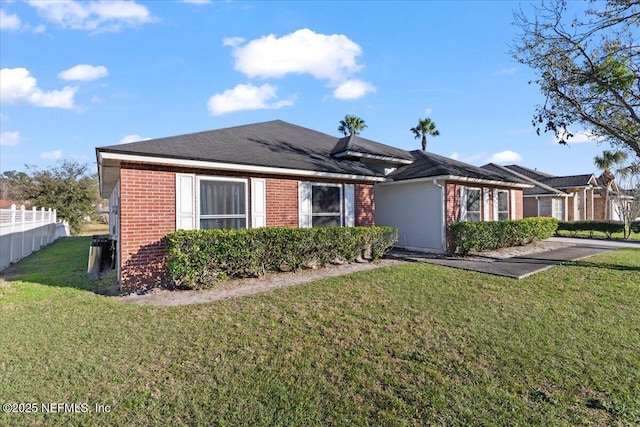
<point x="534" y="181"/>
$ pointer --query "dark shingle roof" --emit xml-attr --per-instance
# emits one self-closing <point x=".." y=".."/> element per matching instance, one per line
<point x="530" y="173"/>
<point x="538" y="187"/>
<point x="432" y="165"/>
<point x="366" y="147"/>
<point x="272" y="144"/>
<point x="568" y="181"/>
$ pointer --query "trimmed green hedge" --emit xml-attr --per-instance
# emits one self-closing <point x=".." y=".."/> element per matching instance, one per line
<point x="199" y="258"/>
<point x="488" y="235"/>
<point x="607" y="227"/>
<point x="635" y="226"/>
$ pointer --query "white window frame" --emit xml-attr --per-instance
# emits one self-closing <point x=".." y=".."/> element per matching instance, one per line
<point x="496" y="204"/>
<point x="464" y="213"/>
<point x="245" y="181"/>
<point x="326" y="184"/>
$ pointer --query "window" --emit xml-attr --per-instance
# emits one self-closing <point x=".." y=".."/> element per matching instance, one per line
<point x="558" y="209"/>
<point x="223" y="203"/>
<point x="502" y="204"/>
<point x="326" y="205"/>
<point x="471" y="204"/>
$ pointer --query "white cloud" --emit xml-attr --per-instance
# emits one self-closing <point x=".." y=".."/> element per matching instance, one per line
<point x="9" y="139"/>
<point x="505" y="157"/>
<point x="246" y="97"/>
<point x="56" y="154"/>
<point x="455" y="155"/>
<point x="94" y="15"/>
<point x="504" y="71"/>
<point x="195" y="1"/>
<point x="18" y="85"/>
<point x="84" y="72"/>
<point x="326" y="57"/>
<point x="581" y="138"/>
<point x="9" y="22"/>
<point x="132" y="138"/>
<point x="232" y="41"/>
<point x="353" y="89"/>
<point x="428" y="111"/>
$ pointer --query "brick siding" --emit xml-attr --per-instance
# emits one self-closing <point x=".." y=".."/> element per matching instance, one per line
<point x="148" y="213"/>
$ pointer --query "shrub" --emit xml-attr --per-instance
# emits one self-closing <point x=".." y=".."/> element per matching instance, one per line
<point x="635" y="226"/>
<point x="607" y="227"/>
<point x="480" y="236"/>
<point x="198" y="258"/>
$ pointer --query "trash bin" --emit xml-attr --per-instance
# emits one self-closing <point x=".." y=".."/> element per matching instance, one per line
<point x="106" y="245"/>
<point x="95" y="258"/>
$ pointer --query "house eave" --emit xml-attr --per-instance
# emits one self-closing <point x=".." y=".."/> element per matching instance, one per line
<point x="460" y="179"/>
<point x="350" y="153"/>
<point x="110" y="160"/>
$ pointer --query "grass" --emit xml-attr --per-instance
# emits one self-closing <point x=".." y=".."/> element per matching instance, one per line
<point x="414" y="344"/>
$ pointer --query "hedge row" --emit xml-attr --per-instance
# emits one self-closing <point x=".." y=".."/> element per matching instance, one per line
<point x="199" y="258"/>
<point x="488" y="235"/>
<point x="607" y="227"/>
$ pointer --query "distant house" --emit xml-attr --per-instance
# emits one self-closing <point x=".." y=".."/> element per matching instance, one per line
<point x="567" y="198"/>
<point x="279" y="174"/>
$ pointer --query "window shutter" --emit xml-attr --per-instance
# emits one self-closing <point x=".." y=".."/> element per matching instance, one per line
<point x="463" y="203"/>
<point x="349" y="205"/>
<point x="304" y="205"/>
<point x="485" y="204"/>
<point x="496" y="206"/>
<point x="512" y="207"/>
<point x="258" y="206"/>
<point x="185" y="202"/>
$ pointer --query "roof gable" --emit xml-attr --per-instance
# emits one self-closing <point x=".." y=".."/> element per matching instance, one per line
<point x="353" y="146"/>
<point x="538" y="188"/>
<point x="427" y="165"/>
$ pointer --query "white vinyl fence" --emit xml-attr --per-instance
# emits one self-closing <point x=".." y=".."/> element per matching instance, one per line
<point x="24" y="231"/>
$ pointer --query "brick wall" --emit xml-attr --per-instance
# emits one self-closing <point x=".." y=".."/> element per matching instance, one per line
<point x="282" y="202"/>
<point x="148" y="205"/>
<point x="147" y="213"/>
<point x="364" y="205"/>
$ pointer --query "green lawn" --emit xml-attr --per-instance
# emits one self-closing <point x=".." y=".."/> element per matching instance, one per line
<point x="414" y="344"/>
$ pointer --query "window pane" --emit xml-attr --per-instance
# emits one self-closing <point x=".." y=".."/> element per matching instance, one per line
<point x="473" y="216"/>
<point x="503" y="201"/>
<point x="503" y="216"/>
<point x="325" y="199"/>
<point x="473" y="200"/>
<point x="222" y="198"/>
<point x="325" y="221"/>
<point x="223" y="223"/>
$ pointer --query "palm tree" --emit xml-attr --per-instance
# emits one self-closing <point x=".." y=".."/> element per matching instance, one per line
<point x="605" y="162"/>
<point x="425" y="127"/>
<point x="351" y="125"/>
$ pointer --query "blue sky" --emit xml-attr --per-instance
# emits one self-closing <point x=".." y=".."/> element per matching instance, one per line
<point x="78" y="75"/>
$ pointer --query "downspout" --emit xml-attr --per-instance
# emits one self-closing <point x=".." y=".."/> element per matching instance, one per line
<point x="443" y="230"/>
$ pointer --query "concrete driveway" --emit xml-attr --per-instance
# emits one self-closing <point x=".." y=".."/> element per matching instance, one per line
<point x="596" y="242"/>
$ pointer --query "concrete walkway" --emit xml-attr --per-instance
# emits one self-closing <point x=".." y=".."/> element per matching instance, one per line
<point x="518" y="266"/>
<point x="596" y="242"/>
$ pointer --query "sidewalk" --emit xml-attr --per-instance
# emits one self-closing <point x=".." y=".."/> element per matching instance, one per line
<point x="516" y="267"/>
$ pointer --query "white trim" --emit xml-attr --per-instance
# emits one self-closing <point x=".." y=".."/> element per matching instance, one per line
<point x="304" y="204"/>
<point x="201" y="178"/>
<point x="349" y="205"/>
<point x="185" y="192"/>
<point x="460" y="179"/>
<point x="231" y="166"/>
<point x="485" y="203"/>
<point x="512" y="204"/>
<point x="258" y="202"/>
<point x="464" y="213"/>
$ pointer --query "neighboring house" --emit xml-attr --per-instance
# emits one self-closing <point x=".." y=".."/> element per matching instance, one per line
<point x="279" y="174"/>
<point x="566" y="198"/>
<point x="421" y="199"/>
